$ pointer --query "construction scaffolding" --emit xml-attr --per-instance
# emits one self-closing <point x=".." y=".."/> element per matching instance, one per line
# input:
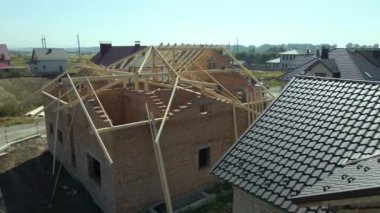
<point x="174" y="67"/>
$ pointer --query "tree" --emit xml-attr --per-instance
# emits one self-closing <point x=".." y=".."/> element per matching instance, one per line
<point x="349" y="45"/>
<point x="376" y="46"/>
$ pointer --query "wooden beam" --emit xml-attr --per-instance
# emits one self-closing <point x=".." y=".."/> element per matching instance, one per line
<point x="43" y="87"/>
<point x="235" y="124"/>
<point x="126" y="126"/>
<point x="167" y="110"/>
<point x="160" y="161"/>
<point x="247" y="72"/>
<point x="95" y="131"/>
<point x="54" y="98"/>
<point x="100" y="103"/>
<point x="56" y="133"/>
<point x="147" y="55"/>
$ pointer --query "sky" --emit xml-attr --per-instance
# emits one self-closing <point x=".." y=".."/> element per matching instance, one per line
<point x="252" y="22"/>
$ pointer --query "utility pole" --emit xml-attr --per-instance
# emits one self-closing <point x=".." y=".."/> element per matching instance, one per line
<point x="42" y="41"/>
<point x="78" y="46"/>
<point x="237" y="44"/>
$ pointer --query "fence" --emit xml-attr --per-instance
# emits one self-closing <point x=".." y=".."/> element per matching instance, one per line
<point x="14" y="133"/>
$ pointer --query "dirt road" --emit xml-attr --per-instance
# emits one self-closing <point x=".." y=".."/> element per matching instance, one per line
<point x="26" y="182"/>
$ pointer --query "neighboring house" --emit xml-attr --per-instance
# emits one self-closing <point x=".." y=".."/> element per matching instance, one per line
<point x="48" y="61"/>
<point x="315" y="126"/>
<point x="274" y="64"/>
<point x="242" y="62"/>
<point x="290" y="59"/>
<point x="358" y="64"/>
<point x="109" y="54"/>
<point x="353" y="188"/>
<point x="5" y="57"/>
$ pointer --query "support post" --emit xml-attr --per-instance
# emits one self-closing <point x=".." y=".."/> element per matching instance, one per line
<point x="95" y="131"/>
<point x="56" y="131"/>
<point x="160" y="161"/>
<point x="100" y="103"/>
<point x="235" y="124"/>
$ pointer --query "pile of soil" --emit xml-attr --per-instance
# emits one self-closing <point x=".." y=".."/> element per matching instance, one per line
<point x="26" y="182"/>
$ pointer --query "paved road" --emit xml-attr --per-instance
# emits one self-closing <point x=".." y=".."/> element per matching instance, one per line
<point x="275" y="91"/>
<point x="12" y="133"/>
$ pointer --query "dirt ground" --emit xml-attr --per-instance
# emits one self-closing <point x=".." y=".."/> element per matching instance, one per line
<point x="26" y="183"/>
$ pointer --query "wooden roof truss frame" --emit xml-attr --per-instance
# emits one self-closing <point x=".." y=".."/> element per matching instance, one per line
<point x="165" y="66"/>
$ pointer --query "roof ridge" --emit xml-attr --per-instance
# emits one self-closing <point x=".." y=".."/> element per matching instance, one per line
<point x="337" y="79"/>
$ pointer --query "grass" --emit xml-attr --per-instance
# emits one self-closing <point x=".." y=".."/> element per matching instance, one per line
<point x="269" y="77"/>
<point x="10" y="121"/>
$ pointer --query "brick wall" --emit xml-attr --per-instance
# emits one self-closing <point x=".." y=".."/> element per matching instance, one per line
<point x="132" y="182"/>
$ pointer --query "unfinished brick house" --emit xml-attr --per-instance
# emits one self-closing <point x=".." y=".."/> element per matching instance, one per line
<point x="147" y="128"/>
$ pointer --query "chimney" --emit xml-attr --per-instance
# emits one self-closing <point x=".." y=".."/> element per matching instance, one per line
<point x="104" y="47"/>
<point x="137" y="44"/>
<point x="317" y="53"/>
<point x="325" y="53"/>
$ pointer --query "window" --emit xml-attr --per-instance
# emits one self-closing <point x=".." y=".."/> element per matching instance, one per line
<point x="51" y="129"/>
<point x="43" y="67"/>
<point x="94" y="169"/>
<point x="203" y="108"/>
<point x="204" y="158"/>
<point x="35" y="68"/>
<point x="60" y="138"/>
<point x="320" y="74"/>
<point x="60" y="68"/>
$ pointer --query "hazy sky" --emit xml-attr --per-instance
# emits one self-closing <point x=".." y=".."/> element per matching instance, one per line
<point x="197" y="21"/>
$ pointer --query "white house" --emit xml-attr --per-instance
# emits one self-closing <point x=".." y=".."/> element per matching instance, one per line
<point x="48" y="61"/>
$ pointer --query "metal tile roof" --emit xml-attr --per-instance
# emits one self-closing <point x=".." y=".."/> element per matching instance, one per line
<point x="359" y="178"/>
<point x="49" y="54"/>
<point x="351" y="63"/>
<point x="114" y="54"/>
<point x="314" y="126"/>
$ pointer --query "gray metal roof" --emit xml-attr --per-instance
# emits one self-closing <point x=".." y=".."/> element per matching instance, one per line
<point x="313" y="127"/>
<point x="357" y="179"/>
<point x="351" y="63"/>
<point x="49" y="54"/>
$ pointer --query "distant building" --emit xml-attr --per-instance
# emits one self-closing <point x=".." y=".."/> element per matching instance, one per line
<point x="5" y="57"/>
<point x="290" y="59"/>
<point x="109" y="54"/>
<point x="357" y="64"/>
<point x="48" y="61"/>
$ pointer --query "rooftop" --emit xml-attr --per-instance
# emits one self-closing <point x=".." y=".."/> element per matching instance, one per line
<point x="356" y="179"/>
<point x="313" y="127"/>
<point x="294" y="52"/>
<point x="351" y="63"/>
<point x="49" y="54"/>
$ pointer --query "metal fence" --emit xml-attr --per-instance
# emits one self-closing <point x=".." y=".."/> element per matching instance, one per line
<point x="14" y="133"/>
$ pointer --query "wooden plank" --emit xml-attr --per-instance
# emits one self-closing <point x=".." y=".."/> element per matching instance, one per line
<point x="54" y="98"/>
<point x="56" y="133"/>
<point x="126" y="126"/>
<point x="95" y="131"/>
<point x="247" y="71"/>
<point x="167" y="110"/>
<point x="43" y="87"/>
<point x="147" y="55"/>
<point x="100" y="103"/>
<point x="235" y="124"/>
<point x="160" y="161"/>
